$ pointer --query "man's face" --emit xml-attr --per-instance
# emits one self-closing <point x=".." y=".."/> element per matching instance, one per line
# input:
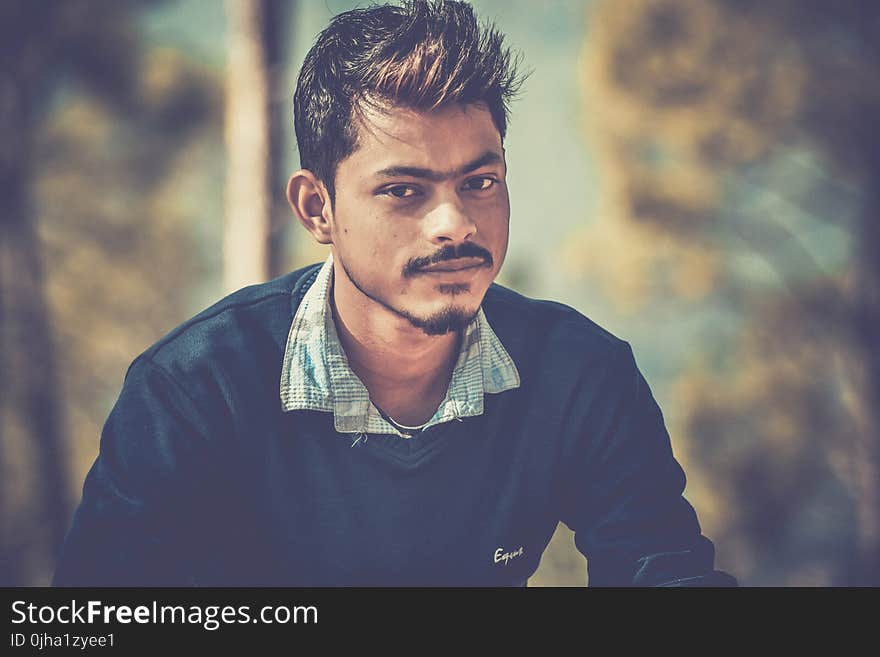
<point x="421" y="213"/>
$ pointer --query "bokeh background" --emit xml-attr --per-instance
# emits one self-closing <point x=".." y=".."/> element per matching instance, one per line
<point x="700" y="177"/>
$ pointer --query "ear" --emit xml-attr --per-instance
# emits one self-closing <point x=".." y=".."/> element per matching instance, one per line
<point x="310" y="202"/>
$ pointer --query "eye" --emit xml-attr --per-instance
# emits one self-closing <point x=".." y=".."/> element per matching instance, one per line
<point x="400" y="191"/>
<point x="480" y="183"/>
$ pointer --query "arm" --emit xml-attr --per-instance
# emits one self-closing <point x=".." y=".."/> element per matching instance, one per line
<point x="623" y="493"/>
<point x="135" y="525"/>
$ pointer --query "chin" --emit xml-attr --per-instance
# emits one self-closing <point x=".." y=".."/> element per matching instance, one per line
<point x="446" y="320"/>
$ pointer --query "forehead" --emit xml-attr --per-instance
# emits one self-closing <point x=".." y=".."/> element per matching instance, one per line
<point x="442" y="140"/>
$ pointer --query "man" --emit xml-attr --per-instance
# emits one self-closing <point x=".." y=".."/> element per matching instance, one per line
<point x="391" y="416"/>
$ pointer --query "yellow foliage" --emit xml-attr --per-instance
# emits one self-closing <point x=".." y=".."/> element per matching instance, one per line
<point x="629" y="261"/>
<point x="700" y="77"/>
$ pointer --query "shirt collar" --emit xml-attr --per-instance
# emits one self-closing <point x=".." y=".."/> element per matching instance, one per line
<point x="315" y="374"/>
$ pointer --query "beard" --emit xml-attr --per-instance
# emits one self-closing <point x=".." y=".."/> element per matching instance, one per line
<point x="449" y="319"/>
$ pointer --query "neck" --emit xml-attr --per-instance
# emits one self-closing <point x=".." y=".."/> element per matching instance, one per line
<point x="389" y="354"/>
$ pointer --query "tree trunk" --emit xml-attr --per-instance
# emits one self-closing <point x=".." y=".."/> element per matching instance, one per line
<point x="275" y="31"/>
<point x="253" y="235"/>
<point x="28" y="377"/>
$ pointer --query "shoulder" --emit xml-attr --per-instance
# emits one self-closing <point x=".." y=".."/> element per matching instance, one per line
<point x="555" y="330"/>
<point x="248" y="325"/>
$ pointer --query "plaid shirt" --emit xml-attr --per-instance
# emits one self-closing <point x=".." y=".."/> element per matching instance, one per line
<point x="316" y="374"/>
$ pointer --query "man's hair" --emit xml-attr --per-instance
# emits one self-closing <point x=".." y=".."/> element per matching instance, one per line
<point x="422" y="55"/>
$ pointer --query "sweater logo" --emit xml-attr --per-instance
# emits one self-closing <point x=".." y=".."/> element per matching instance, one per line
<point x="501" y="555"/>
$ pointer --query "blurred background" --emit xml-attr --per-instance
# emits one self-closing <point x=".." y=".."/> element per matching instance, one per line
<point x="700" y="177"/>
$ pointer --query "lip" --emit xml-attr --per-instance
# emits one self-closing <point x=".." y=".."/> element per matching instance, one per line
<point x="453" y="266"/>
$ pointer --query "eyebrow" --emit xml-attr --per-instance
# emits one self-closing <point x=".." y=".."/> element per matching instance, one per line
<point x="488" y="157"/>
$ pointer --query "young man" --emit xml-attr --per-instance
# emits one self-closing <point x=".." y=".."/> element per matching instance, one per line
<point x="391" y="416"/>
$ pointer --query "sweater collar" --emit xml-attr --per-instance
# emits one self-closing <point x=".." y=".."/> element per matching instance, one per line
<point x="316" y="375"/>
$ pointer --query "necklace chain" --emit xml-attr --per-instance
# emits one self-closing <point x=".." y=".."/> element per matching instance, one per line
<point x="402" y="426"/>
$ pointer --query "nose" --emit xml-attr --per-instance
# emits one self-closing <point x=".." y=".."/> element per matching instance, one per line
<point x="450" y="222"/>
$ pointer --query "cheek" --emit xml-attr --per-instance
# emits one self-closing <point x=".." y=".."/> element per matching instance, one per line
<point x="500" y="223"/>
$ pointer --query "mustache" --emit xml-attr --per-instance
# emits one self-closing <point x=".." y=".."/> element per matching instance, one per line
<point x="449" y="252"/>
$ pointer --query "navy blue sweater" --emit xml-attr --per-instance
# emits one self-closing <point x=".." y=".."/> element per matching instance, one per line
<point x="203" y="479"/>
